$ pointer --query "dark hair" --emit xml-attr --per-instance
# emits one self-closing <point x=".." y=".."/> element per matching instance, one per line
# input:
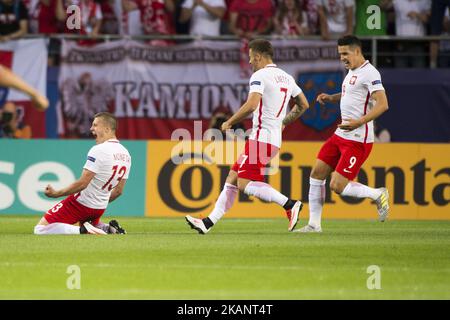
<point x="349" y="40"/>
<point x="261" y="46"/>
<point x="109" y="119"/>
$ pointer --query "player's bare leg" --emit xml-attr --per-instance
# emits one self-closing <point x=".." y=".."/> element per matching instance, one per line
<point x="341" y="185"/>
<point x="43" y="227"/>
<point x="316" y="196"/>
<point x="223" y="204"/>
<point x="266" y="193"/>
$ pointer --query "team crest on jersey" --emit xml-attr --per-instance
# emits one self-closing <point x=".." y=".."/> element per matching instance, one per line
<point x="353" y="79"/>
<point x="320" y="117"/>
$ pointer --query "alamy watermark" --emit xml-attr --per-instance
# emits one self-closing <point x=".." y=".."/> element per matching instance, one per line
<point x="74" y="279"/>
<point x="223" y="148"/>
<point x="374" y="280"/>
<point x="373" y="22"/>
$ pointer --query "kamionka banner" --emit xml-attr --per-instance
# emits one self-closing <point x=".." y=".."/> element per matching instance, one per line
<point x="28" y="59"/>
<point x="154" y="90"/>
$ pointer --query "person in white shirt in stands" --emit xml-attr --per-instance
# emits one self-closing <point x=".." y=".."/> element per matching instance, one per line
<point x="102" y="181"/>
<point x="362" y="100"/>
<point x="411" y="18"/>
<point x="270" y="91"/>
<point x="336" y="17"/>
<point x="205" y="16"/>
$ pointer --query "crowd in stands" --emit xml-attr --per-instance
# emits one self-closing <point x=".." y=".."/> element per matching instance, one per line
<point x="243" y="18"/>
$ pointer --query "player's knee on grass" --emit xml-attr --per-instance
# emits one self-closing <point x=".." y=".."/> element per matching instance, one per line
<point x="38" y="229"/>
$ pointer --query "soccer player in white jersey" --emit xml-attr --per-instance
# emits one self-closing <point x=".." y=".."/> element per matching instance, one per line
<point x="270" y="91"/>
<point x="362" y="100"/>
<point x="102" y="181"/>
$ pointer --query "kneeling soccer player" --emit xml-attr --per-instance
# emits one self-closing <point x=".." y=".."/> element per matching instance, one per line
<point x="102" y="181"/>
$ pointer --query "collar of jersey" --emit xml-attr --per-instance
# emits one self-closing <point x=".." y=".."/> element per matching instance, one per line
<point x="363" y="65"/>
<point x="273" y="65"/>
<point x="112" y="140"/>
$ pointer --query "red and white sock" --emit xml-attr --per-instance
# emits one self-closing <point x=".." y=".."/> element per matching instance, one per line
<point x="56" y="228"/>
<point x="265" y="192"/>
<point x="358" y="190"/>
<point x="224" y="202"/>
<point x="316" y="198"/>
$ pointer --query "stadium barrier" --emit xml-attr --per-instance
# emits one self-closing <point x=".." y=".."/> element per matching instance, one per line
<point x="417" y="175"/>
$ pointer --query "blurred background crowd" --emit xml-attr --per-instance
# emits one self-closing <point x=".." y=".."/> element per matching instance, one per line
<point x="245" y="19"/>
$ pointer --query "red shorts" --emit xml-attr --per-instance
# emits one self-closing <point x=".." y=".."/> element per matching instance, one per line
<point x="251" y="164"/>
<point x="70" y="211"/>
<point x="344" y="156"/>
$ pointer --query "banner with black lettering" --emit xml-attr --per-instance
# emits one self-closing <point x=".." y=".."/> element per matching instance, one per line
<point x="154" y="90"/>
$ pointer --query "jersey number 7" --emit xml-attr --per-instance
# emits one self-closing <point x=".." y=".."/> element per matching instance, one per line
<point x="284" y="90"/>
<point x="121" y="173"/>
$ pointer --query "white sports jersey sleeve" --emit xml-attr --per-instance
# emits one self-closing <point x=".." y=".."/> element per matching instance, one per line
<point x="295" y="89"/>
<point x="373" y="81"/>
<point x="93" y="162"/>
<point x="256" y="83"/>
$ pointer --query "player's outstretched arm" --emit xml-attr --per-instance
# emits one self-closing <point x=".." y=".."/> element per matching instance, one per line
<point x="118" y="190"/>
<point x="11" y="80"/>
<point x="75" y="187"/>
<point x="301" y="105"/>
<point x="247" y="108"/>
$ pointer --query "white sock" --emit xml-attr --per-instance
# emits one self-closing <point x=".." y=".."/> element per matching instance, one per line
<point x="56" y="228"/>
<point x="358" y="190"/>
<point x="224" y="202"/>
<point x="265" y="192"/>
<point x="316" y="198"/>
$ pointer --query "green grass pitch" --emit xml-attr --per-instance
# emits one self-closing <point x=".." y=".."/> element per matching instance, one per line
<point x="238" y="259"/>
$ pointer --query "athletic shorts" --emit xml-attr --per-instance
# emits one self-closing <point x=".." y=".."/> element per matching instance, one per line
<point x="70" y="211"/>
<point x="344" y="156"/>
<point x="252" y="163"/>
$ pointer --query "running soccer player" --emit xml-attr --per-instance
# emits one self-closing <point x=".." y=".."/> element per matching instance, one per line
<point x="102" y="181"/>
<point x="270" y="91"/>
<point x="362" y="100"/>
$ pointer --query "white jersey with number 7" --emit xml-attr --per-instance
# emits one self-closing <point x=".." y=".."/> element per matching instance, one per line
<point x="276" y="87"/>
<point x="111" y="162"/>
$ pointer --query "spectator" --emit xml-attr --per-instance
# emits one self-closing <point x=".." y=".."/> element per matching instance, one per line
<point x="249" y="18"/>
<point x="312" y="13"/>
<point x="444" y="47"/>
<point x="13" y="20"/>
<point x="336" y="17"/>
<point x="11" y="126"/>
<point x="205" y="16"/>
<point x="291" y="19"/>
<point x="46" y="16"/>
<point x="110" y="20"/>
<point x="438" y="8"/>
<point x="411" y="18"/>
<point x="156" y="17"/>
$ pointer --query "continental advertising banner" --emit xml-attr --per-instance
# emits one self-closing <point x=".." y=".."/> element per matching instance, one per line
<point x="27" y="166"/>
<point x="417" y="176"/>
